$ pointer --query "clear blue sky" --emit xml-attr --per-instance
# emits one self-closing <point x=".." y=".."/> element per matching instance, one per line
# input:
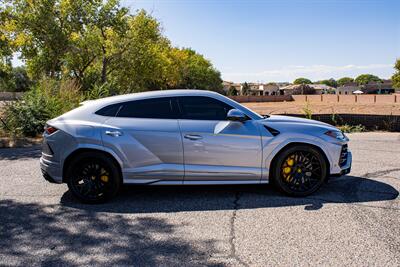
<point x="281" y="40"/>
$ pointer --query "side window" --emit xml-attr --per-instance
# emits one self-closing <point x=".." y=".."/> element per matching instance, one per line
<point x="109" y="111"/>
<point x="203" y="108"/>
<point x="155" y="108"/>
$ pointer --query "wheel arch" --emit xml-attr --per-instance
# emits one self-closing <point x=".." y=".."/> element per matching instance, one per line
<point x="292" y="144"/>
<point x="79" y="151"/>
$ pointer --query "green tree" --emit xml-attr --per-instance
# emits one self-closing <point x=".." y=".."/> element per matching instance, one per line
<point x="245" y="88"/>
<point x="98" y="43"/>
<point x="366" y="78"/>
<point x="396" y="75"/>
<point x="20" y="81"/>
<point x="302" y="81"/>
<point x="331" y="82"/>
<point x="5" y="50"/>
<point x="344" y="80"/>
<point x="232" y="91"/>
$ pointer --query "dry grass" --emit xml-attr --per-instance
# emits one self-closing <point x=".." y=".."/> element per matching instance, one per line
<point x="296" y="107"/>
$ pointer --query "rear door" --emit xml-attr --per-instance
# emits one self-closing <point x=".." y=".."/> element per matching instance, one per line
<point x="145" y="134"/>
<point x="216" y="149"/>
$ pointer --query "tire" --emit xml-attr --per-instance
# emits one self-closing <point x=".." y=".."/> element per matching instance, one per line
<point x="299" y="170"/>
<point x="93" y="177"/>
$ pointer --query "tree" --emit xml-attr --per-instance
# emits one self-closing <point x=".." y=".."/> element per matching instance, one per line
<point x="396" y="75"/>
<point x="331" y="82"/>
<point x="20" y="81"/>
<point x="245" y="88"/>
<point x="5" y="50"/>
<point x="232" y="91"/>
<point x="98" y="43"/>
<point x="366" y="78"/>
<point x="344" y="80"/>
<point x="302" y="81"/>
<point x="303" y="89"/>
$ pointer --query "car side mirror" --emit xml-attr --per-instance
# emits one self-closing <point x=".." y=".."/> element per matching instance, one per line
<point x="236" y="115"/>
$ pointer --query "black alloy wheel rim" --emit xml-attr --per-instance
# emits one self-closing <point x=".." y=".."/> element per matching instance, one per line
<point x="301" y="171"/>
<point x="91" y="180"/>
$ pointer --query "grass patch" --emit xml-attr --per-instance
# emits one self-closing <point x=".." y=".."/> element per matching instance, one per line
<point x="352" y="128"/>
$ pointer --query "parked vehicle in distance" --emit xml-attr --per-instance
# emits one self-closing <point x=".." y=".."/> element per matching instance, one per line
<point x="186" y="137"/>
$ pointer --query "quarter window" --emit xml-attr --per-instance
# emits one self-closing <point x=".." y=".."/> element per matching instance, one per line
<point x="109" y="111"/>
<point x="203" y="108"/>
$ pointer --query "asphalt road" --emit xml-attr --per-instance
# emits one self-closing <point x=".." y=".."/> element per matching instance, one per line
<point x="352" y="220"/>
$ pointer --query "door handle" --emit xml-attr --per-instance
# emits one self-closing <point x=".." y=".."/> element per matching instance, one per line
<point x="193" y="136"/>
<point x="113" y="133"/>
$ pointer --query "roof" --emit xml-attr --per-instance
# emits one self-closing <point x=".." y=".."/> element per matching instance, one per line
<point x="315" y="86"/>
<point x="154" y="94"/>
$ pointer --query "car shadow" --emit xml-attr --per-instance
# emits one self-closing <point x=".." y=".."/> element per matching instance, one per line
<point x="148" y="199"/>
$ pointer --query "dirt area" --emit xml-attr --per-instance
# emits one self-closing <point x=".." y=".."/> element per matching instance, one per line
<point x="296" y="107"/>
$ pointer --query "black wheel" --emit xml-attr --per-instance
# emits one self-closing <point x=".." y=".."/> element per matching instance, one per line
<point x="93" y="177"/>
<point x="300" y="170"/>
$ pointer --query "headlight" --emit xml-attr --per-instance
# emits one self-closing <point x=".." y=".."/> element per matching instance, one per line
<point x="337" y="135"/>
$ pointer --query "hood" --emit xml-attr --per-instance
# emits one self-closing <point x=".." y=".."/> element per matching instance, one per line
<point x="289" y="119"/>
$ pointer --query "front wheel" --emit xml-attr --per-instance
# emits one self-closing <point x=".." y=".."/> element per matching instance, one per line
<point x="300" y="170"/>
<point x="93" y="177"/>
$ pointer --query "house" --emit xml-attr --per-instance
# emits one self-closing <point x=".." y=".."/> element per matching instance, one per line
<point x="347" y="89"/>
<point x="269" y="89"/>
<point x="319" y="89"/>
<point x="226" y="85"/>
<point x="383" y="87"/>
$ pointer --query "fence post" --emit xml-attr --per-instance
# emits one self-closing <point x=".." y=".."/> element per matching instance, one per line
<point x="306" y="98"/>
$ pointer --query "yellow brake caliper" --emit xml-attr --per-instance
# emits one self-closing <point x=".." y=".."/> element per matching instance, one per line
<point x="287" y="168"/>
<point x="104" y="176"/>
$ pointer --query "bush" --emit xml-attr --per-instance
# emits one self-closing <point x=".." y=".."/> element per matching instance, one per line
<point x="352" y="128"/>
<point x="45" y="101"/>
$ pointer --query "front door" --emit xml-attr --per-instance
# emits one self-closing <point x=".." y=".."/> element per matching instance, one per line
<point x="216" y="149"/>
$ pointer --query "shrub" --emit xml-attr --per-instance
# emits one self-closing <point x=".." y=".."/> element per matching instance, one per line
<point x="352" y="128"/>
<point x="48" y="99"/>
<point x="308" y="111"/>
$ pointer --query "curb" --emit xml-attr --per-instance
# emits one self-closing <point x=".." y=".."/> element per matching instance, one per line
<point x="6" y="142"/>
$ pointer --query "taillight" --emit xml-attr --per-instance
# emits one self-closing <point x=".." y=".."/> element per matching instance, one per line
<point x="50" y="129"/>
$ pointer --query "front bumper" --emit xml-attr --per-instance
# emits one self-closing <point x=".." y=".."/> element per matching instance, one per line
<point x="346" y="168"/>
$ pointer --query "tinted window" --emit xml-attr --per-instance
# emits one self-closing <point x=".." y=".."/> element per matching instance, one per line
<point x="203" y="108"/>
<point x="157" y="108"/>
<point x="109" y="111"/>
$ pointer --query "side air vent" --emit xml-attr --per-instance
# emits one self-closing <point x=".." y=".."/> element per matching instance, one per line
<point x="272" y="131"/>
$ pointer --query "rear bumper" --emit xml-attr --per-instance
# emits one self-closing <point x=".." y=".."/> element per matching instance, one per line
<point x="51" y="171"/>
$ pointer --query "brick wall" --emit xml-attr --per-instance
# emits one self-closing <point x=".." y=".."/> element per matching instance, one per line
<point x="363" y="99"/>
<point x="263" y="98"/>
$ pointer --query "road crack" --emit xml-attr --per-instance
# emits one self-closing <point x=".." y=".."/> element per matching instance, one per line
<point x="232" y="234"/>
<point x="379" y="173"/>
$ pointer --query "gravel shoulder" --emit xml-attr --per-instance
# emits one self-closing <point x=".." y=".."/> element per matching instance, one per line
<point x="353" y="220"/>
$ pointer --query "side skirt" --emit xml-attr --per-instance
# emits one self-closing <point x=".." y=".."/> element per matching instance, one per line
<point x="200" y="182"/>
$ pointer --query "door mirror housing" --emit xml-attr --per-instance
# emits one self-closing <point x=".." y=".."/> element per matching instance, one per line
<point x="236" y="115"/>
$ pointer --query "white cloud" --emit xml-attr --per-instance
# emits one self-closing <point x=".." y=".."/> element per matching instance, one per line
<point x="313" y="72"/>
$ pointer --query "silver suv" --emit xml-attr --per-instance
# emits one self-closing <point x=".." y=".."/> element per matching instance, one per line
<point x="186" y="137"/>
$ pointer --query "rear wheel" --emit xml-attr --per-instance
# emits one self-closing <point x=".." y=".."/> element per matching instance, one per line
<point x="300" y="170"/>
<point x="93" y="177"/>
